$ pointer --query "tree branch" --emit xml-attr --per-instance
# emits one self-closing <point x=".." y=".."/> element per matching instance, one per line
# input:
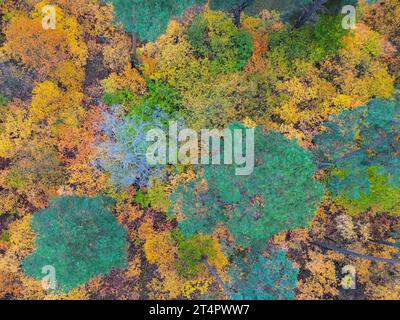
<point x="134" y="36"/>
<point x="239" y="9"/>
<point x="385" y="243"/>
<point x="216" y="276"/>
<point x="355" y="254"/>
<point x="310" y="12"/>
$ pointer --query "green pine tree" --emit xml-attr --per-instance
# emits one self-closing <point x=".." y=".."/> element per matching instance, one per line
<point x="360" y="149"/>
<point x="280" y="194"/>
<point x="80" y="238"/>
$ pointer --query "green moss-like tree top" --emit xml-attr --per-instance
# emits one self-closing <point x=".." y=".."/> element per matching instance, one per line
<point x="360" y="148"/>
<point x="80" y="238"/>
<point x="280" y="194"/>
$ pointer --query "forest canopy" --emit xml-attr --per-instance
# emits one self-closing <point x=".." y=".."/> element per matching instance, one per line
<point x="308" y="93"/>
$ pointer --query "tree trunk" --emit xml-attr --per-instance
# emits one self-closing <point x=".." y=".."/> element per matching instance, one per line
<point x="310" y="12"/>
<point x="385" y="243"/>
<point x="237" y="17"/>
<point x="237" y="12"/>
<point x="355" y="254"/>
<point x="134" y="37"/>
<point x="216" y="276"/>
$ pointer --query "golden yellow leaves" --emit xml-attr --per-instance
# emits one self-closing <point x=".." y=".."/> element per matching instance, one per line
<point x="365" y="74"/>
<point x="134" y="268"/>
<point x="43" y="50"/>
<point x="30" y="133"/>
<point x="22" y="236"/>
<point x="128" y="78"/>
<point x="21" y="243"/>
<point x="196" y="285"/>
<point x="38" y="49"/>
<point x="56" y="106"/>
<point x="56" y="55"/>
<point x="69" y="75"/>
<point x="15" y="128"/>
<point x="307" y="99"/>
<point x="322" y="282"/>
<point x="161" y="249"/>
<point x="79" y="143"/>
<point x="116" y="54"/>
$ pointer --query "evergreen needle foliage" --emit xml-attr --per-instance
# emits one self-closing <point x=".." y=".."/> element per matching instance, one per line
<point x="360" y="147"/>
<point x="80" y="238"/>
<point x="281" y="194"/>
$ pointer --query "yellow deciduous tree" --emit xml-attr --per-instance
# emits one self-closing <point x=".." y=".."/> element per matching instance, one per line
<point x="43" y="50"/>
